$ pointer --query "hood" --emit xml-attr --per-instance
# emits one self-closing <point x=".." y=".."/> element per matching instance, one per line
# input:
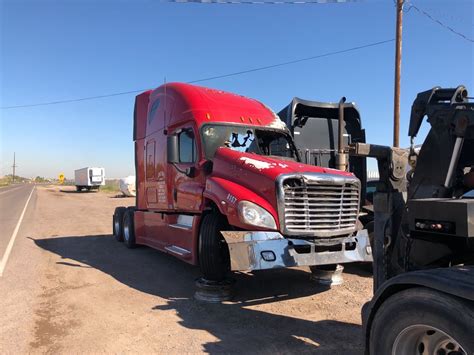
<point x="258" y="173"/>
<point x="269" y="166"/>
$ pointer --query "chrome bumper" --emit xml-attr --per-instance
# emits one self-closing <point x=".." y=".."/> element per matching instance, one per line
<point x="269" y="250"/>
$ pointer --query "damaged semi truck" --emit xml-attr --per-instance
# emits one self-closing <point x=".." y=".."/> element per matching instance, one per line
<point x="220" y="184"/>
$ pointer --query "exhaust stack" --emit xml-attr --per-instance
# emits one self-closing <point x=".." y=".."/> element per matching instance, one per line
<point x="341" y="157"/>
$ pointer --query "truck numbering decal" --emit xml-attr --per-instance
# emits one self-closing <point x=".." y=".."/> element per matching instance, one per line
<point x="231" y="198"/>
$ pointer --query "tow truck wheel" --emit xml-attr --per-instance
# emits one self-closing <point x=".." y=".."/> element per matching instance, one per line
<point x="214" y="259"/>
<point x="129" y="229"/>
<point x="423" y="321"/>
<point x="117" y="226"/>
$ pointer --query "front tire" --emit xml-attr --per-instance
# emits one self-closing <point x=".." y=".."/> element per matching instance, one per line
<point x="117" y="223"/>
<point x="129" y="228"/>
<point x="214" y="259"/>
<point x="423" y="321"/>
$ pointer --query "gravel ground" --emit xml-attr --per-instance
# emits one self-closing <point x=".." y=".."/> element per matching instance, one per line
<point x="70" y="288"/>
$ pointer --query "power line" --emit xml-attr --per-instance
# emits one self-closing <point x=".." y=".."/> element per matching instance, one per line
<point x="426" y="14"/>
<point x="373" y="44"/>
<point x="262" y="2"/>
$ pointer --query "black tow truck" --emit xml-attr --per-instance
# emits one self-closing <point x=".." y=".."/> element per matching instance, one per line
<point x="421" y="222"/>
<point x="423" y="248"/>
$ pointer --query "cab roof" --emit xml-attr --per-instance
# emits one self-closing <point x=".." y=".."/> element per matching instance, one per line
<point x="205" y="105"/>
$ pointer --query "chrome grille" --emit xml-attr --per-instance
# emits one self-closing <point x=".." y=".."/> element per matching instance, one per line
<point x="319" y="204"/>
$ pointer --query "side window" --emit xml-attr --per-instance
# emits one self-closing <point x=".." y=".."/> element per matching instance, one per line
<point x="153" y="109"/>
<point x="187" y="146"/>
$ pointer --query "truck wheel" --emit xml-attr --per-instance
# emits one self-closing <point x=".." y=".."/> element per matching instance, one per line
<point x="78" y="188"/>
<point x="214" y="259"/>
<point x="117" y="223"/>
<point x="129" y="229"/>
<point x="423" y="321"/>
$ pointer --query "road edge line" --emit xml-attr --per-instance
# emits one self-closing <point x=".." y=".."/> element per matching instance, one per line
<point x="6" y="255"/>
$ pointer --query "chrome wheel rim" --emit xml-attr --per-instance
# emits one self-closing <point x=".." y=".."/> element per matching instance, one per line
<point x="116" y="225"/>
<point x="422" y="339"/>
<point x="126" y="231"/>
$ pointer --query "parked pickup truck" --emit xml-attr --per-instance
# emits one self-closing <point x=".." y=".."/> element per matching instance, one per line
<point x="89" y="178"/>
<point x="220" y="184"/>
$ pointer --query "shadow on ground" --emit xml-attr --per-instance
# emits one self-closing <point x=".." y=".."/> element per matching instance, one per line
<point x="78" y="192"/>
<point x="238" y="327"/>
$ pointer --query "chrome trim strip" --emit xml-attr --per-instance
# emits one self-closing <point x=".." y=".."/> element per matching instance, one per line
<point x="177" y="250"/>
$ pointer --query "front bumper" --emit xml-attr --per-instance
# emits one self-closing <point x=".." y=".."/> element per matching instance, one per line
<point x="268" y="250"/>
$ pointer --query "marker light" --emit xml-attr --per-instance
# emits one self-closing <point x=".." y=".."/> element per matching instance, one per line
<point x="250" y="213"/>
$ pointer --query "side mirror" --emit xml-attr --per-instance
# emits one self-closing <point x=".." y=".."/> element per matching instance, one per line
<point x="190" y="171"/>
<point x="206" y="166"/>
<point x="172" y="149"/>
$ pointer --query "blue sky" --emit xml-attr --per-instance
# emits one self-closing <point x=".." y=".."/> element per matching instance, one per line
<point x="59" y="50"/>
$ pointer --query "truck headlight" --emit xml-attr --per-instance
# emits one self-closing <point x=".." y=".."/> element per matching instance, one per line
<point x="252" y="214"/>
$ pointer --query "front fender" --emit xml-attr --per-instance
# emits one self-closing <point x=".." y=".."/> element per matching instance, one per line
<point x="227" y="194"/>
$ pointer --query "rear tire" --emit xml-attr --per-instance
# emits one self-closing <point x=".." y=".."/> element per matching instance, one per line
<point x="78" y="188"/>
<point x="129" y="228"/>
<point x="214" y="259"/>
<point x="117" y="223"/>
<point x="421" y="320"/>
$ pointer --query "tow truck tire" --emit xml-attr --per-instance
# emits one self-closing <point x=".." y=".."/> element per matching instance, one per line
<point x="424" y="321"/>
<point x="214" y="259"/>
<point x="129" y="229"/>
<point x="117" y="223"/>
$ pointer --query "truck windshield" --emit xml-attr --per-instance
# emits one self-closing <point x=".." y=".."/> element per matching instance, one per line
<point x="248" y="139"/>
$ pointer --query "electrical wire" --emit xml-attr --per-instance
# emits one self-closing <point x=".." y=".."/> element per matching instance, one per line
<point x="266" y="67"/>
<point x="426" y="14"/>
<point x="262" y="2"/>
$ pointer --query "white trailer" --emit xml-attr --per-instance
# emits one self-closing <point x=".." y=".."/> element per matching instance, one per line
<point x="89" y="178"/>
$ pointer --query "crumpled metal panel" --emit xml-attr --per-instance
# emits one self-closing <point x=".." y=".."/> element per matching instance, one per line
<point x="246" y="248"/>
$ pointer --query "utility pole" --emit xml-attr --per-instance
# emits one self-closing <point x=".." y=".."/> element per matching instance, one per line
<point x="398" y="68"/>
<point x="14" y="166"/>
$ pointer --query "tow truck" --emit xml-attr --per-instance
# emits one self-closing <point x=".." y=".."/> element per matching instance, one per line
<point x="423" y="248"/>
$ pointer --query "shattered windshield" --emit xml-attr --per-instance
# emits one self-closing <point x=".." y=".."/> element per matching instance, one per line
<point x="248" y="140"/>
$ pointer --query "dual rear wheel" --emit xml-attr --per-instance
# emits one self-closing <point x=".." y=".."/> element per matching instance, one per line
<point x="123" y="226"/>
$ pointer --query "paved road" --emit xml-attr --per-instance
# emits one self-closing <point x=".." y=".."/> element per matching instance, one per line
<point x="12" y="203"/>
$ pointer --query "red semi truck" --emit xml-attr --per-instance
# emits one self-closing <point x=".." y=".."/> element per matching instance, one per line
<point x="220" y="185"/>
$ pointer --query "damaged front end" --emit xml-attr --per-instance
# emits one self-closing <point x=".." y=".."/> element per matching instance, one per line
<point x="318" y="219"/>
<point x="267" y="250"/>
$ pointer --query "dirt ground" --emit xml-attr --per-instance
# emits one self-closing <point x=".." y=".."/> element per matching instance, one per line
<point x="71" y="288"/>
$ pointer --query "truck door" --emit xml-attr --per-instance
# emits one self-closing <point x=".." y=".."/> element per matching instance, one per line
<point x="186" y="191"/>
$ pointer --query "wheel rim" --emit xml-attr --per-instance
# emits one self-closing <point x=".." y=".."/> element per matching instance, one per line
<point x="425" y="340"/>
<point x="126" y="232"/>
<point x="116" y="225"/>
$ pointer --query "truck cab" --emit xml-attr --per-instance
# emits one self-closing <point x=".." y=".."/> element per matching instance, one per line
<point x="221" y="184"/>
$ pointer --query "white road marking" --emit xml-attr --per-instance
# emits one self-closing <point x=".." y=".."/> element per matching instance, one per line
<point x="13" y="237"/>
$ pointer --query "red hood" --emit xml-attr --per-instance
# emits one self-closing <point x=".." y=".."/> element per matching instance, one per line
<point x="258" y="173"/>
<point x="269" y="167"/>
